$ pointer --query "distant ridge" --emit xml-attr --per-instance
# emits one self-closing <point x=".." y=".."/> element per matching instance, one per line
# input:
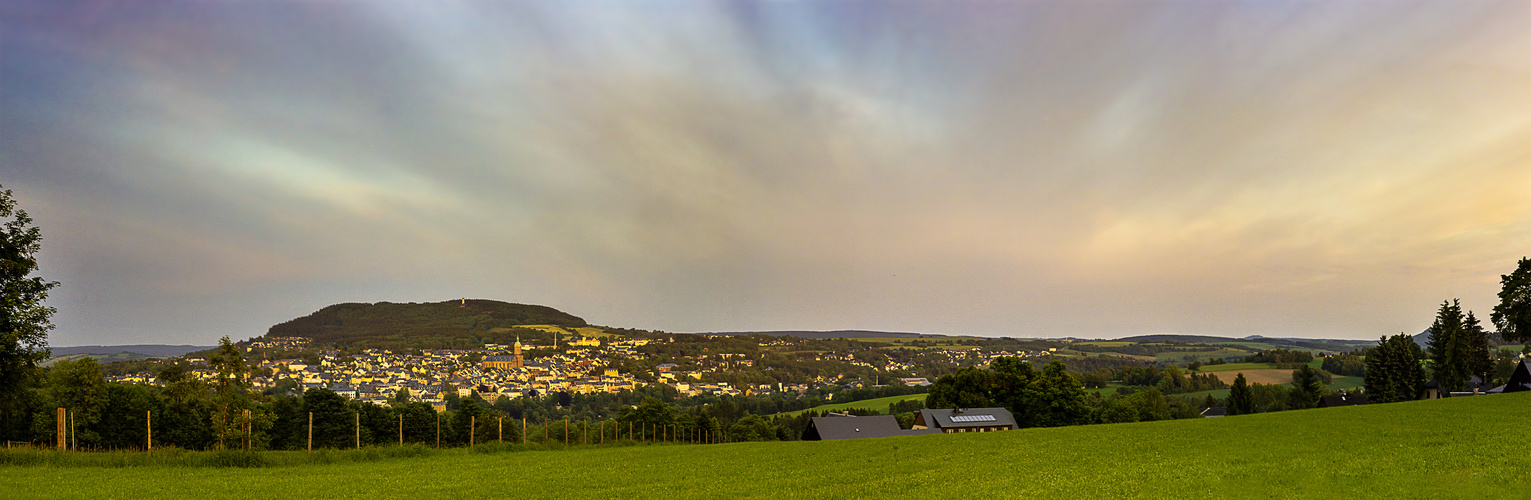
<point x="150" y="350"/>
<point x="458" y="323"/>
<point x="1198" y="339"/>
<point x="832" y="334"/>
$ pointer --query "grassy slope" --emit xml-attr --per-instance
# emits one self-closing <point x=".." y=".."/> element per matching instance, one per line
<point x="1423" y="449"/>
<point x="879" y="404"/>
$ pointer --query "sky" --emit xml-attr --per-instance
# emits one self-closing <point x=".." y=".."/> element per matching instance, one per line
<point x="1028" y="169"/>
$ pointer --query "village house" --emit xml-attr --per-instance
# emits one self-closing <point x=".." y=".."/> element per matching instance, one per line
<point x="965" y="420"/>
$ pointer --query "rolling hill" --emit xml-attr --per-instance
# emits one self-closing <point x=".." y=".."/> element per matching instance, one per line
<point x="434" y="325"/>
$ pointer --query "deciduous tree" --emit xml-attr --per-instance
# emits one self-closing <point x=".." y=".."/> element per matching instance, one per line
<point x="24" y="320"/>
<point x="1513" y="314"/>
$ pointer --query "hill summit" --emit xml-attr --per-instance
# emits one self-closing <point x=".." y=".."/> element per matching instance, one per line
<point x="433" y="325"/>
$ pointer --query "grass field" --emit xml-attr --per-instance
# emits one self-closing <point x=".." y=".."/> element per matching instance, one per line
<point x="879" y="404"/>
<point x="1421" y="449"/>
<point x="1236" y="366"/>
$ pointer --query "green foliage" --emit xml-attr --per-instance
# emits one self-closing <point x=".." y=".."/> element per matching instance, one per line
<point x="440" y="325"/>
<point x="1240" y="398"/>
<point x="1282" y="358"/>
<point x="24" y="320"/>
<point x="1513" y="314"/>
<point x="1459" y="347"/>
<point x="1393" y="370"/>
<point x="1349" y="365"/>
<point x="1307" y="389"/>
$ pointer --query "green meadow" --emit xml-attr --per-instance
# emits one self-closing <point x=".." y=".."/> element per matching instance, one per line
<point x="1450" y="448"/>
<point x="879" y="404"/>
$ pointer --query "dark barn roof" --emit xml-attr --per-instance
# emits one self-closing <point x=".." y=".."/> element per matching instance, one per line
<point x="1334" y="400"/>
<point x="848" y="427"/>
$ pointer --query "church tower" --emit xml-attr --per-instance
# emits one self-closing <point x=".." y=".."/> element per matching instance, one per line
<point x="517" y="350"/>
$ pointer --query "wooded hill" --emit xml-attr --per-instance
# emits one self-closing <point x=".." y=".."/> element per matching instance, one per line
<point x="437" y="325"/>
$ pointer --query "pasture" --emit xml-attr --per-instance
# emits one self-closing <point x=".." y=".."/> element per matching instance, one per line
<point x="1400" y="450"/>
<point x="879" y="404"/>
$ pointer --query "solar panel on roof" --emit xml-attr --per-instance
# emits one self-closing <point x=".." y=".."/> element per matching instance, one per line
<point x="972" y="418"/>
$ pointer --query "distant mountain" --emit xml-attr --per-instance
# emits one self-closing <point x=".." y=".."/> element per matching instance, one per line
<point x="110" y="353"/>
<point x="147" y="350"/>
<point x="435" y="325"/>
<point x="834" y="334"/>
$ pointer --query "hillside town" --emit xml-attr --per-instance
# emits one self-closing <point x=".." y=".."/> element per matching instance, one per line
<point x="584" y="365"/>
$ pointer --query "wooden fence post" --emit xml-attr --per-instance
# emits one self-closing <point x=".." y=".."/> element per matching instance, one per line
<point x="149" y="429"/>
<point x="310" y="432"/>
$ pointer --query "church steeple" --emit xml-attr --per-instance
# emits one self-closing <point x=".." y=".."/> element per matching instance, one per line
<point x="517" y="349"/>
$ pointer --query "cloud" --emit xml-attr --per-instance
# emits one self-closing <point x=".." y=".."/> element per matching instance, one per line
<point x="1047" y="168"/>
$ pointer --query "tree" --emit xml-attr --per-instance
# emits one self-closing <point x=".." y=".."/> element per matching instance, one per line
<point x="1052" y="398"/>
<point x="1240" y="400"/>
<point x="77" y="386"/>
<point x="1448" y="347"/>
<point x="1479" y="356"/>
<point x="233" y="395"/>
<point x="1513" y="314"/>
<point x="1393" y="371"/>
<point x="968" y="388"/>
<point x="24" y="320"/>
<point x="752" y="428"/>
<point x="1306" y="389"/>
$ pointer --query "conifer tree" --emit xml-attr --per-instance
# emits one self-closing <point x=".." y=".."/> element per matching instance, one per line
<point x="1393" y="371"/>
<point x="1240" y="400"/>
<point x="1448" y="347"/>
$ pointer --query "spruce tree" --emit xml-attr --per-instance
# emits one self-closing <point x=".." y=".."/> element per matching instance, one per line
<point x="1479" y="356"/>
<point x="1306" y="389"/>
<point x="1448" y="347"/>
<point x="1240" y="400"/>
<point x="1393" y="371"/>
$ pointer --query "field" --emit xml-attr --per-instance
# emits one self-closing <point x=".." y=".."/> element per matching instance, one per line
<point x="879" y="404"/>
<point x="1400" y="450"/>
<point x="1236" y="366"/>
<point x="1271" y="376"/>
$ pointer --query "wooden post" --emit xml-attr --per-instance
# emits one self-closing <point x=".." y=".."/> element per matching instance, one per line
<point x="401" y="429"/>
<point x="603" y="432"/>
<point x="566" y="430"/>
<point x="629" y="430"/>
<point x="358" y="430"/>
<point x="59" y="431"/>
<point x="584" y="426"/>
<point x="310" y="432"/>
<point x="74" y="439"/>
<point x="523" y="429"/>
<point x="149" y="431"/>
<point x="500" y="425"/>
<point x="472" y="429"/>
